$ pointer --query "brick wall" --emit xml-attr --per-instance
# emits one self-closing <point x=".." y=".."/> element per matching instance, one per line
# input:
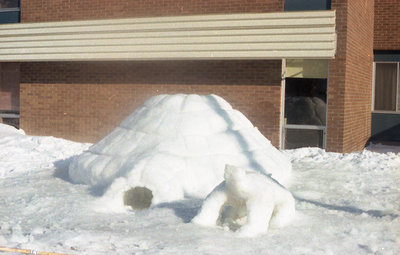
<point x="387" y="25"/>
<point x="350" y="78"/>
<point x="59" y="10"/>
<point x="83" y="101"/>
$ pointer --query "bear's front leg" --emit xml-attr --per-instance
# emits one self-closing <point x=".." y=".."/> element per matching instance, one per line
<point x="259" y="212"/>
<point x="284" y="212"/>
<point x="212" y="207"/>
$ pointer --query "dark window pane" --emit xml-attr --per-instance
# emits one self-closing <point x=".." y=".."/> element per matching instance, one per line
<point x="385" y="86"/>
<point x="305" y="101"/>
<point x="385" y="127"/>
<point x="9" y="4"/>
<point x="304" y="5"/>
<point x="9" y="17"/>
<point x="297" y="138"/>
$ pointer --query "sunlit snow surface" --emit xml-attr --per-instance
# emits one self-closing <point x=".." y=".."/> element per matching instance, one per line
<point x="41" y="209"/>
<point x="176" y="146"/>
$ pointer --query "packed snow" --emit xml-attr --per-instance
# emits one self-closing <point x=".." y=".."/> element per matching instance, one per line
<point x="41" y="209"/>
<point x="33" y="153"/>
<point x="175" y="147"/>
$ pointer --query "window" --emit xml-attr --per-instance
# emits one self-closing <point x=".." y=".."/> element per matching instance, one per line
<point x="9" y="11"/>
<point x="305" y="103"/>
<point x="305" y="112"/>
<point x="387" y="88"/>
<point x="307" y="5"/>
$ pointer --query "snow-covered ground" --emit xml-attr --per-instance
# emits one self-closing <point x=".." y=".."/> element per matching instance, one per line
<point x="41" y="209"/>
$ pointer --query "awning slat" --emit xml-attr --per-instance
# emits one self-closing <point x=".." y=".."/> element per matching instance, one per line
<point x="173" y="48"/>
<point x="314" y="54"/>
<point x="309" y="31"/>
<point x="204" y="25"/>
<point x="173" y="41"/>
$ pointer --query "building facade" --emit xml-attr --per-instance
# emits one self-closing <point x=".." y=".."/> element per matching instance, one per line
<point x="302" y="73"/>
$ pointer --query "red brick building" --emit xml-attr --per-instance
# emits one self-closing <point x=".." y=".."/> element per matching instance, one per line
<point x="302" y="73"/>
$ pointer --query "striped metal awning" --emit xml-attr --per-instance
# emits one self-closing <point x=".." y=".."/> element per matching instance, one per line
<point x="306" y="35"/>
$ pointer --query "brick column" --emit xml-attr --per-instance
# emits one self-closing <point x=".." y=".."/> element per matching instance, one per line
<point x="350" y="77"/>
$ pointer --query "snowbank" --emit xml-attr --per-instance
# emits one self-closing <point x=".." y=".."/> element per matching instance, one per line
<point x="176" y="146"/>
<point x="6" y="130"/>
<point x="33" y="152"/>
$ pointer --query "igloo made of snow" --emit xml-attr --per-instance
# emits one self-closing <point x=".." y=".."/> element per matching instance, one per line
<point x="175" y="147"/>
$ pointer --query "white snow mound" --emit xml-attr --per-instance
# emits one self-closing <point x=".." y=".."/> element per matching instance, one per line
<point x="6" y="130"/>
<point x="173" y="147"/>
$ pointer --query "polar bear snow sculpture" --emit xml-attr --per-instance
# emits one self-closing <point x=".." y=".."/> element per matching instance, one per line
<point x="172" y="147"/>
<point x="249" y="194"/>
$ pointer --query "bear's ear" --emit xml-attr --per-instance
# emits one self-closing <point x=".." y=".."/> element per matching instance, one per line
<point x="233" y="171"/>
<point x="229" y="169"/>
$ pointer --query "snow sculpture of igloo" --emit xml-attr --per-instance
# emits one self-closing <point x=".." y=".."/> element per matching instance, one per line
<point x="175" y="146"/>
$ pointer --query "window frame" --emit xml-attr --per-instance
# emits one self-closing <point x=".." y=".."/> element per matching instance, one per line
<point x="12" y="9"/>
<point x="397" y="108"/>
